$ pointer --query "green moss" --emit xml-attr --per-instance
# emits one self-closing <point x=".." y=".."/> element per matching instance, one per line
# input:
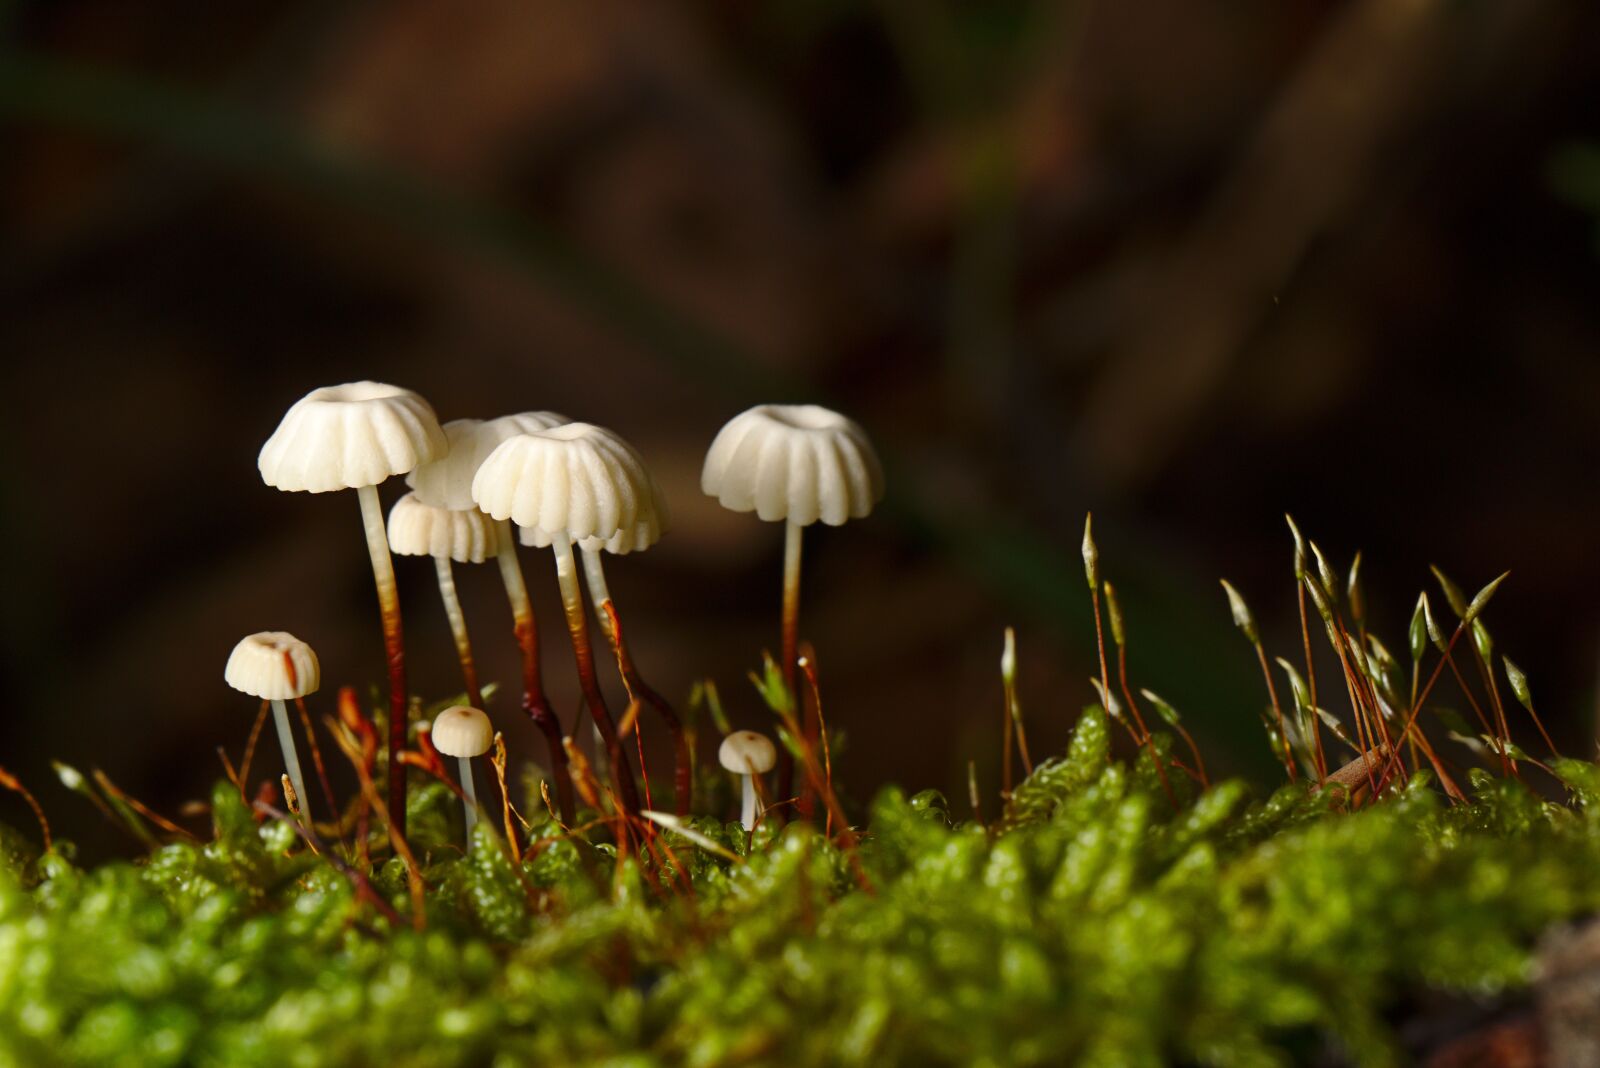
<point x="1096" y="924"/>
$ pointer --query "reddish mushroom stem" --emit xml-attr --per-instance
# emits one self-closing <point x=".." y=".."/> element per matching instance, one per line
<point x="589" y="681"/>
<point x="791" y="653"/>
<point x="394" y="648"/>
<point x="534" y="702"/>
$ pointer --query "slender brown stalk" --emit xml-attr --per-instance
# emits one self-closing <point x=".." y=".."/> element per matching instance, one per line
<point x="535" y="705"/>
<point x="1149" y="739"/>
<point x="12" y="783"/>
<point x="250" y="748"/>
<point x="1311" y="682"/>
<point x="808" y="664"/>
<point x="394" y="649"/>
<point x="578" y="627"/>
<point x="1507" y="765"/>
<point x="316" y="762"/>
<point x="1277" y="711"/>
<point x="639" y="690"/>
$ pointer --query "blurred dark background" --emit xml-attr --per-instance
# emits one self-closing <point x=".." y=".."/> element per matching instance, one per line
<point x="1188" y="265"/>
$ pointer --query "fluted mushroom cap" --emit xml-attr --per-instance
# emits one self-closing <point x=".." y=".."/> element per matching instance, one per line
<point x="416" y="529"/>
<point x="462" y="731"/>
<point x="344" y="437"/>
<point x="447" y="481"/>
<point x="574" y="481"/>
<point x="273" y="665"/>
<point x="747" y="753"/>
<point x="794" y="462"/>
<point x="645" y="532"/>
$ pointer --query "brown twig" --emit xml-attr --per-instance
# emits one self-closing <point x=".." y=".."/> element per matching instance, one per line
<point x="12" y="783"/>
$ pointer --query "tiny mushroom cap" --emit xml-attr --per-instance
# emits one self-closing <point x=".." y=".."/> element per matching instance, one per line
<point x="462" y="731"/>
<point x="574" y="481"/>
<point x="794" y="462"/>
<point x="447" y="481"/>
<point x="349" y="436"/>
<point x="273" y="665"/>
<point x="747" y="753"/>
<point x="417" y="529"/>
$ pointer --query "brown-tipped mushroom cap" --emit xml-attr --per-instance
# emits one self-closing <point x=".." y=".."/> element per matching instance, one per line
<point x="574" y="481"/>
<point x="417" y="529"/>
<point x="462" y="731"/>
<point x="447" y="481"/>
<point x="747" y="753"/>
<point x="794" y="462"/>
<point x="345" y="437"/>
<point x="273" y="665"/>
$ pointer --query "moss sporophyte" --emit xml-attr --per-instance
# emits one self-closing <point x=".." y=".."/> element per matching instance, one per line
<point x="1116" y="907"/>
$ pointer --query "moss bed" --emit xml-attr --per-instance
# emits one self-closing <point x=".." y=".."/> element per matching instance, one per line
<point x="1093" y="922"/>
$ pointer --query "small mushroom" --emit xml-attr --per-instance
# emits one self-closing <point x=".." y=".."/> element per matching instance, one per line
<point x="355" y="436"/>
<point x="748" y="754"/>
<point x="646" y="530"/>
<point x="464" y="732"/>
<point x="275" y="666"/>
<point x="566" y="484"/>
<point x="466" y="536"/>
<point x="795" y="463"/>
<point x="447" y="483"/>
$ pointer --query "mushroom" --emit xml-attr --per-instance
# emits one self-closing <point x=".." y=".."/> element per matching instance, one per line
<point x="645" y="532"/>
<point x="467" y="536"/>
<point x="353" y="437"/>
<point x="447" y="483"/>
<point x="275" y="666"/>
<point x="748" y="754"/>
<point x="797" y="463"/>
<point x="566" y="484"/>
<point x="464" y="732"/>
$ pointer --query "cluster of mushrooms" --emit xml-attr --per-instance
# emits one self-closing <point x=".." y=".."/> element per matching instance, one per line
<point x="563" y="484"/>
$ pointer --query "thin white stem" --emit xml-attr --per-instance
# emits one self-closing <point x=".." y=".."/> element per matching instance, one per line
<point x="458" y="627"/>
<point x="471" y="803"/>
<point x="378" y="550"/>
<point x="291" y="759"/>
<point x="594" y="571"/>
<point x="511" y="571"/>
<point x="747" y="814"/>
<point x="791" y="597"/>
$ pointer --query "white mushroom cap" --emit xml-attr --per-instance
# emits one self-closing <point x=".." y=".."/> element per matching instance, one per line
<point x="794" y="462"/>
<point x="273" y="665"/>
<point x="462" y="731"/>
<point x="344" y="437"/>
<point x="447" y="481"/>
<point x="576" y="481"/>
<point x="416" y="529"/>
<point x="747" y="753"/>
<point x="645" y="532"/>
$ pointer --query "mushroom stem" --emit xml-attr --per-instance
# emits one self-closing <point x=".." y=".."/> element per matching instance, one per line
<point x="747" y="813"/>
<point x="470" y="800"/>
<point x="394" y="647"/>
<point x="534" y="702"/>
<point x="791" y="644"/>
<point x="605" y="612"/>
<point x="578" y="626"/>
<point x="291" y="759"/>
<point x="458" y="629"/>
